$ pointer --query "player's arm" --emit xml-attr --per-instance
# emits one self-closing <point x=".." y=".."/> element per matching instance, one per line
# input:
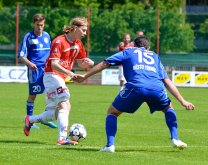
<point x="31" y="65"/>
<point x="56" y="66"/>
<point x="175" y="92"/>
<point x="97" y="68"/>
<point x="85" y="63"/>
<point x="121" y="46"/>
<point x="23" y="52"/>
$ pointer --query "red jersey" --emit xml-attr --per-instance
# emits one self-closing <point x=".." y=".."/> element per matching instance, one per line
<point x="66" y="52"/>
<point x="122" y="47"/>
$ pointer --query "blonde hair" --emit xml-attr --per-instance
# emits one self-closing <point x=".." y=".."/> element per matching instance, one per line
<point x="77" y="21"/>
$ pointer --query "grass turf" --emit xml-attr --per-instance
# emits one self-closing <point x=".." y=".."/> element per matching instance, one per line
<point x="141" y="138"/>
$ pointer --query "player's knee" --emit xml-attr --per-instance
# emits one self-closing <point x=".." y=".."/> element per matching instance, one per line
<point x="113" y="111"/>
<point x="64" y="105"/>
<point x="168" y="107"/>
<point x="31" y="98"/>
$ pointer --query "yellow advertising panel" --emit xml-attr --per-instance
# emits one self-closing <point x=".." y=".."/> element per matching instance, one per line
<point x="201" y="78"/>
<point x="182" y="78"/>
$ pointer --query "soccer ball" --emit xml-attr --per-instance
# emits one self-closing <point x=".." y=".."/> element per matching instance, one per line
<point x="77" y="132"/>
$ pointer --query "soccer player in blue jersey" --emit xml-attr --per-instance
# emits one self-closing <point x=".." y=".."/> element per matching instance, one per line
<point x="33" y="51"/>
<point x="146" y="82"/>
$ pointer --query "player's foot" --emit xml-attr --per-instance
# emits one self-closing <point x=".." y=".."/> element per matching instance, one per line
<point x="50" y="124"/>
<point x="27" y="126"/>
<point x="66" y="142"/>
<point x="178" y="144"/>
<point x="35" y="126"/>
<point x="108" y="149"/>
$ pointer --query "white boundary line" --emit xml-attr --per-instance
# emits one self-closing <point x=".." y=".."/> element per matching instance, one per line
<point x="89" y="147"/>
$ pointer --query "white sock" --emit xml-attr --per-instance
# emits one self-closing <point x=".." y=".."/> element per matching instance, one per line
<point x="62" y="119"/>
<point x="46" y="116"/>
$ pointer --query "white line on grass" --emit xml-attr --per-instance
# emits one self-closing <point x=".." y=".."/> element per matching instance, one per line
<point x="86" y="147"/>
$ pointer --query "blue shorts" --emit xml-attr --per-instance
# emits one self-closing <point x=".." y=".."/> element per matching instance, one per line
<point x="130" y="99"/>
<point x="35" y="80"/>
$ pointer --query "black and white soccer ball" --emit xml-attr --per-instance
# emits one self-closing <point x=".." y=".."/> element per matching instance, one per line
<point x="77" y="132"/>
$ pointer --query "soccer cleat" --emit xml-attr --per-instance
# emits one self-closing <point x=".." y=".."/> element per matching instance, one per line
<point x="178" y="144"/>
<point x="108" y="149"/>
<point x="27" y="126"/>
<point x="50" y="124"/>
<point x="66" y="142"/>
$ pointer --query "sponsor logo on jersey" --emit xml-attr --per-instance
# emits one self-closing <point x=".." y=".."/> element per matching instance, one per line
<point x="46" y="40"/>
<point x="33" y="41"/>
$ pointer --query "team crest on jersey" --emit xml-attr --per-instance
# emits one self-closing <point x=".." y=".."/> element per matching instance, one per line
<point x="57" y="41"/>
<point x="33" y="41"/>
<point x="46" y="40"/>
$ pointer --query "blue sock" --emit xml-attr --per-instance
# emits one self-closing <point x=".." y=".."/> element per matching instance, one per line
<point x="111" y="128"/>
<point x="30" y="106"/>
<point x="171" y="121"/>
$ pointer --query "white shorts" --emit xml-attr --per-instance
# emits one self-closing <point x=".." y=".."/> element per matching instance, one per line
<point x="120" y="74"/>
<point x="56" y="90"/>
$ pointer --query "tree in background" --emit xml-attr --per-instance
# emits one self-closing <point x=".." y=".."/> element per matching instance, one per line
<point x="107" y="25"/>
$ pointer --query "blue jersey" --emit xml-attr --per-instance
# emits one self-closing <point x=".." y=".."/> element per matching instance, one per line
<point x="141" y="68"/>
<point x="35" y="48"/>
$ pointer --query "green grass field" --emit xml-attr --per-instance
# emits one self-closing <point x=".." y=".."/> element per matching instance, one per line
<point x="141" y="138"/>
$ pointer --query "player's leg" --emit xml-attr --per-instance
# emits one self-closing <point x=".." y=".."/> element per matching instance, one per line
<point x="128" y="100"/>
<point x="171" y="121"/>
<point x="159" y="100"/>
<point x="46" y="116"/>
<point x="34" y="89"/>
<point x="62" y="119"/>
<point x="30" y="106"/>
<point x="40" y="88"/>
<point x="111" y="129"/>
<point x="57" y="95"/>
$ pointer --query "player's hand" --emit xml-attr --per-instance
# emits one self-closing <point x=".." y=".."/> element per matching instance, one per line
<point x="188" y="105"/>
<point x="32" y="66"/>
<point x="121" y="44"/>
<point x="78" y="78"/>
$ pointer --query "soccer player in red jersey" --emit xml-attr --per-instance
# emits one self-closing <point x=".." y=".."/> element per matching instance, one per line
<point x="126" y="43"/>
<point x="65" y="50"/>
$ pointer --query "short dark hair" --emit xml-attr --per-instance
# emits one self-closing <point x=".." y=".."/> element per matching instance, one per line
<point x="38" y="17"/>
<point x="142" y="41"/>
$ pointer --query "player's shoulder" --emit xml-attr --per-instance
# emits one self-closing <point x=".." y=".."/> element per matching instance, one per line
<point x="78" y="42"/>
<point x="46" y="34"/>
<point x="59" y="39"/>
<point x="29" y="34"/>
<point x="129" y="49"/>
<point x="153" y="53"/>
